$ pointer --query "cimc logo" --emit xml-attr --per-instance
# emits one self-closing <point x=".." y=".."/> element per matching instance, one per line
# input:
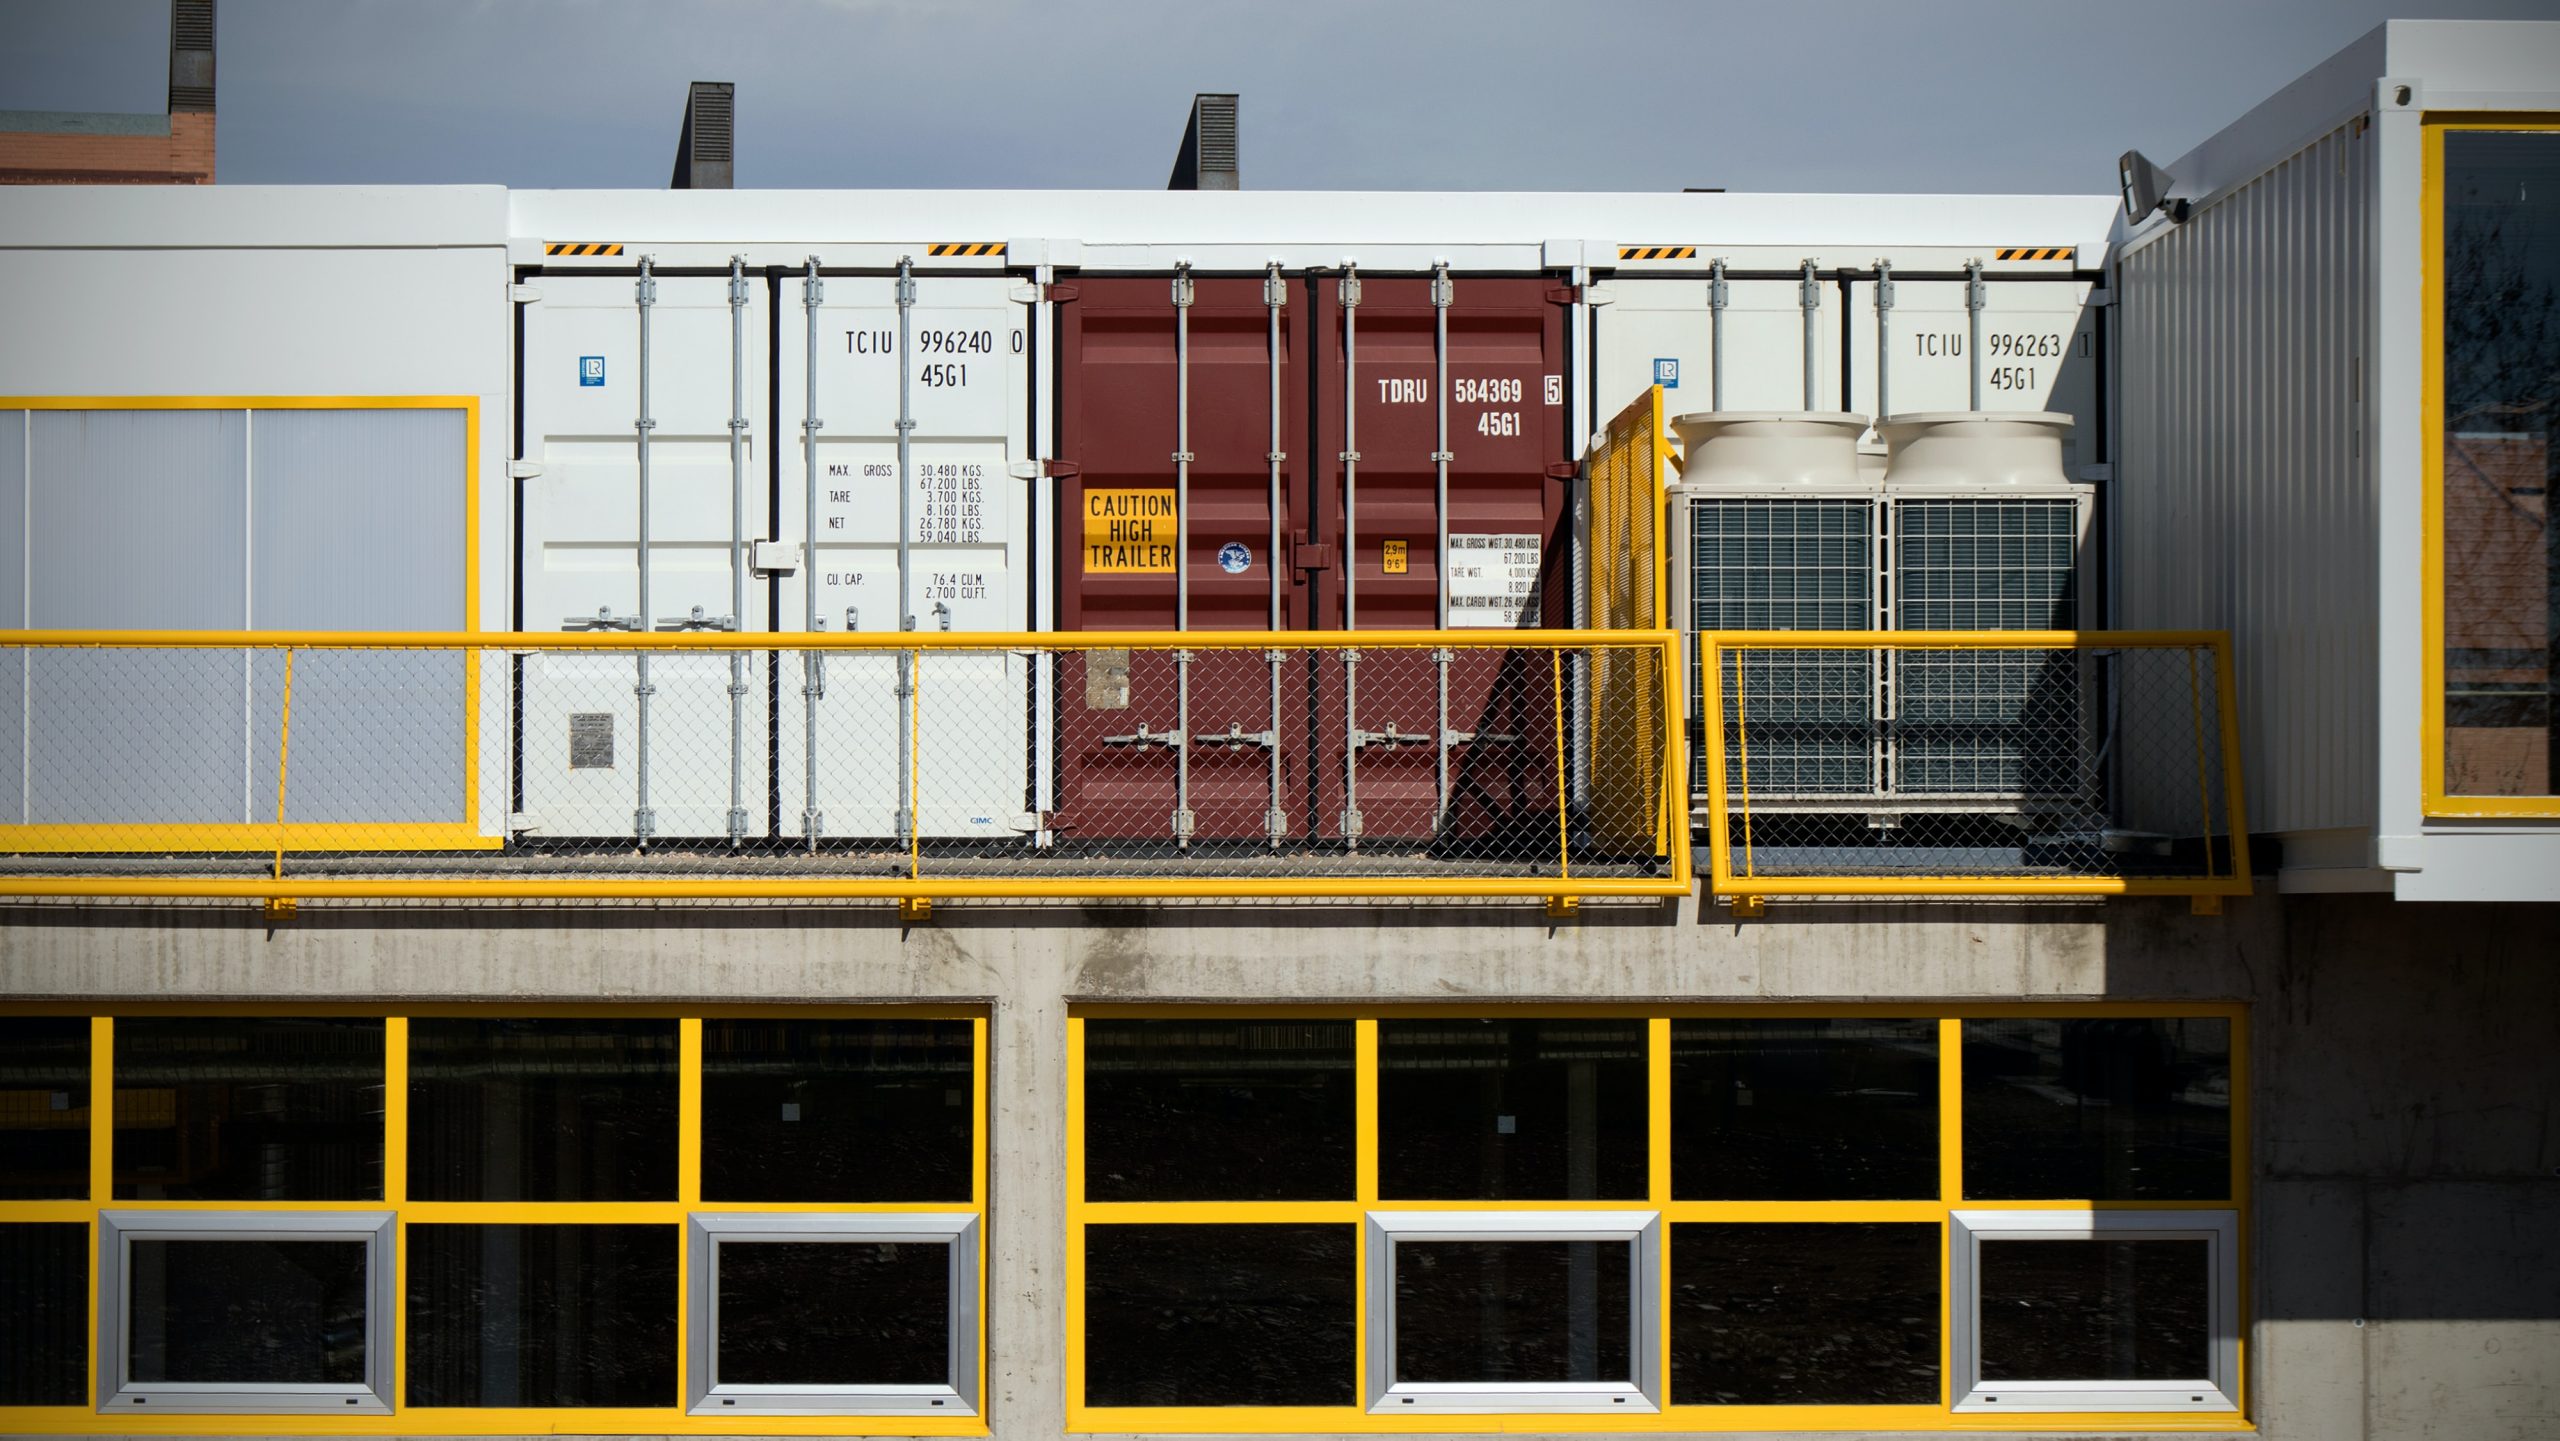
<point x="591" y="370"/>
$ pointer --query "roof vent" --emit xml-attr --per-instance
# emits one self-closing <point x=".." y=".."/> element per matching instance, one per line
<point x="705" y="151"/>
<point x="1207" y="160"/>
<point x="191" y="56"/>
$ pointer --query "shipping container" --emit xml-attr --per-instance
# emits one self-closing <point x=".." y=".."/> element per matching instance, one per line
<point x="1310" y="407"/>
<point x="2335" y="444"/>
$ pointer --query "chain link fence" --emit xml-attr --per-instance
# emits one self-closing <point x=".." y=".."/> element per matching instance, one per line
<point x="1207" y="764"/>
<point x="1954" y="762"/>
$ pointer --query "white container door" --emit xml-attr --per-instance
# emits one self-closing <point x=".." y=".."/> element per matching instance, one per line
<point x="1662" y="331"/>
<point x="2039" y="352"/>
<point x="969" y="376"/>
<point x="582" y="752"/>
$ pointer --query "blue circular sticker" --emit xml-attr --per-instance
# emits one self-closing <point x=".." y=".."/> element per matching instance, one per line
<point x="1234" y="558"/>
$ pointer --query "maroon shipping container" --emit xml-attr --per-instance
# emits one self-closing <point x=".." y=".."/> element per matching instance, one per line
<point x="1372" y="750"/>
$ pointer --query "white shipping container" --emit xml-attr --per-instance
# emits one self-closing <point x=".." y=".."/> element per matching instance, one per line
<point x="968" y="363"/>
<point x="582" y="364"/>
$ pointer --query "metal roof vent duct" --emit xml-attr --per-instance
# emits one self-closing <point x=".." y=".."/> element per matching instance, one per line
<point x="705" y="152"/>
<point x="191" y="56"/>
<point x="1207" y="160"/>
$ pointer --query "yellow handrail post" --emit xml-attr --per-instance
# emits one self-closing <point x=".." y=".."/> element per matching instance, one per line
<point x="2235" y="795"/>
<point x="2204" y="787"/>
<point x="913" y="906"/>
<point x="1711" y="736"/>
<point x="1561" y="904"/>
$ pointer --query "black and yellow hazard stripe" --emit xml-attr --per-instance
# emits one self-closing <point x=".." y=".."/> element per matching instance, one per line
<point x="580" y="247"/>
<point x="1657" y="252"/>
<point x="2040" y="252"/>
<point x="965" y="248"/>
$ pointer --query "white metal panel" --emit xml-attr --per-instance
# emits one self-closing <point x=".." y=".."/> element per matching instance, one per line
<point x="971" y="364"/>
<point x="13" y="612"/>
<point x="2039" y="352"/>
<point x="356" y="523"/>
<point x="1649" y="321"/>
<point x="137" y="735"/>
<point x="580" y="547"/>
<point x="2246" y="486"/>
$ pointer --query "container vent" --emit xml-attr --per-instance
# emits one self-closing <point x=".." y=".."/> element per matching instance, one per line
<point x="191" y="56"/>
<point x="706" y="151"/>
<point x="1208" y="159"/>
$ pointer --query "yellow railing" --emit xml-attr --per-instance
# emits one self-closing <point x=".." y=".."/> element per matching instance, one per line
<point x="1971" y="763"/>
<point x="913" y="767"/>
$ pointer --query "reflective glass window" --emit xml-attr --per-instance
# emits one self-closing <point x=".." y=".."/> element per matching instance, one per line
<point x="44" y="1108"/>
<point x="837" y="1110"/>
<point x="1511" y="1109"/>
<point x="1217" y="1110"/>
<point x="542" y="1315"/>
<point x="248" y="1108"/>
<point x="44" y="1313"/>
<point x="1498" y="1311"/>
<point x="1802" y="1314"/>
<point x="1220" y="1315"/>
<point x="542" y="1109"/>
<point x="253" y="1310"/>
<point x="833" y="1313"/>
<point x="2108" y="1309"/>
<point x="2102" y="1109"/>
<point x="1804" y="1109"/>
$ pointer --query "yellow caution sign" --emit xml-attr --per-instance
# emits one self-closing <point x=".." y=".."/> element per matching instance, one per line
<point x="970" y="248"/>
<point x="1128" y="530"/>
<point x="2040" y="252"/>
<point x="1395" y="562"/>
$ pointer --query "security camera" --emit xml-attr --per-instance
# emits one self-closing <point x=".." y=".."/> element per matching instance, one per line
<point x="2146" y="190"/>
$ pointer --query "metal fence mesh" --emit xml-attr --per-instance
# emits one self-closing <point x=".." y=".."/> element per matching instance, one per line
<point x="1443" y="761"/>
<point x="1969" y="757"/>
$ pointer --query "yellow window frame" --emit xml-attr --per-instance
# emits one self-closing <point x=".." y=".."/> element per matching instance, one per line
<point x="2434" y="799"/>
<point x="462" y="835"/>
<point x="405" y="1420"/>
<point x="1353" y="1417"/>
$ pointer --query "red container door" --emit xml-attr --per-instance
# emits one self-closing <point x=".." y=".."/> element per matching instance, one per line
<point x="1506" y="569"/>
<point x="1118" y="710"/>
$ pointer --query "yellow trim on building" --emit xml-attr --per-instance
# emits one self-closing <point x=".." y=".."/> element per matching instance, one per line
<point x="2434" y="799"/>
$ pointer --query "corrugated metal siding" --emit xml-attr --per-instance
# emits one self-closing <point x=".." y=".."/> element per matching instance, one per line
<point x="2246" y="493"/>
<point x="142" y="528"/>
<point x="356" y="523"/>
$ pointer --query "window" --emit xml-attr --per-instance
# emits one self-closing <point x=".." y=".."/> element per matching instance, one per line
<point x="2493" y="569"/>
<point x="830" y="1313"/>
<point x="2096" y="1310"/>
<point x="245" y="1311"/>
<point x="628" y="1220"/>
<point x="1502" y="1311"/>
<point x="1721" y="1217"/>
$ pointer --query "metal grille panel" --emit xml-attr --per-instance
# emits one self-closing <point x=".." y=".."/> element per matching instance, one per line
<point x="1789" y="564"/>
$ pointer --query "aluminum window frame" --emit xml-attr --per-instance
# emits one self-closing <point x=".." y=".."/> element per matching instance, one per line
<point x="1639" y="1230"/>
<point x="2215" y="1393"/>
<point x="118" y="1393"/>
<point x="707" y="1395"/>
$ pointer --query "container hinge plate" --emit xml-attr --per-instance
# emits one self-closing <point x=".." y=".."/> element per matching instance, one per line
<point x="523" y="294"/>
<point x="1059" y="294"/>
<point x="523" y="469"/>
<point x="1036" y="469"/>
<point x="1598" y="295"/>
<point x="1562" y="470"/>
<point x="1563" y="294"/>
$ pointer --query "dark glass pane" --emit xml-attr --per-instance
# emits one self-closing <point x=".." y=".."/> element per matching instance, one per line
<point x="2501" y="458"/>
<point x="2101" y="1110"/>
<point x="542" y="1110"/>
<point x="1513" y="1311"/>
<point x="2106" y="1310"/>
<point x="44" y="1313"/>
<point x="1217" y="1110"/>
<point x="253" y="1311"/>
<point x="248" y="1108"/>
<point x="44" y="1108"/>
<point x="1511" y="1110"/>
<point x="1219" y="1315"/>
<point x="834" y="1313"/>
<point x="542" y="1315"/>
<point x="847" y="1110"/>
<point x="1804" y="1110"/>
<point x="1835" y="1314"/>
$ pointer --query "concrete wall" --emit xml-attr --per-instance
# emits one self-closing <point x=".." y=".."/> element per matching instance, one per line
<point x="2406" y="1259"/>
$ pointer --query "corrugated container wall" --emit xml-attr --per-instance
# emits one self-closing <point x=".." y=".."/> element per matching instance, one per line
<point x="2246" y="488"/>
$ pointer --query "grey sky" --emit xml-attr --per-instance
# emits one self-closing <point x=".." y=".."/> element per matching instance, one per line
<point x="1946" y="95"/>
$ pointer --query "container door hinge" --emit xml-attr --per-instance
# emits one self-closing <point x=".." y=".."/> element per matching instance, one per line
<point x="1562" y="470"/>
<point x="1563" y="294"/>
<point x="1597" y="295"/>
<point x="523" y="294"/>
<point x="1060" y="293"/>
<point x="1036" y="469"/>
<point x="1307" y="555"/>
<point x="523" y="469"/>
